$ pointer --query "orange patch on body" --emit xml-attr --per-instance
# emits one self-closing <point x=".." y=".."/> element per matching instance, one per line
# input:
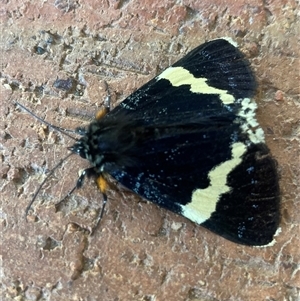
<point x="101" y="113"/>
<point x="102" y="184"/>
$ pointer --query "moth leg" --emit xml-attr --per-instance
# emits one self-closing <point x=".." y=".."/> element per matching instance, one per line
<point x="79" y="183"/>
<point x="101" y="113"/>
<point x="102" y="186"/>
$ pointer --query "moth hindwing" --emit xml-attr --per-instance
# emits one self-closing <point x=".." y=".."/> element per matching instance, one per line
<point x="188" y="140"/>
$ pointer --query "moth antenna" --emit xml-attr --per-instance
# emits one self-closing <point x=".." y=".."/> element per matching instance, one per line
<point x="56" y="128"/>
<point x="45" y="180"/>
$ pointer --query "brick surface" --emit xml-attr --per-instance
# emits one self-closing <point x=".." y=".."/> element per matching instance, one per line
<point x="140" y="252"/>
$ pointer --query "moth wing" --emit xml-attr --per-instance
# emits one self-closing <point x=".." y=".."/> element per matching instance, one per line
<point x="241" y="203"/>
<point x="220" y="174"/>
<point x="220" y="76"/>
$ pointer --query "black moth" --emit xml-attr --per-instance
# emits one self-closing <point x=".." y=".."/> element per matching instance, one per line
<point x="188" y="140"/>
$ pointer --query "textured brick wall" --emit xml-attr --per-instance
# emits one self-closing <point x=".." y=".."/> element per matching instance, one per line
<point x="141" y="252"/>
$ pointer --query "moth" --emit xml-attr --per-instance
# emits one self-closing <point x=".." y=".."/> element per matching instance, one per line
<point x="188" y="141"/>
